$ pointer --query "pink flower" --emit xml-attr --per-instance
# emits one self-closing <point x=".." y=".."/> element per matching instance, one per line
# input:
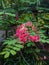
<point x="21" y="29"/>
<point x="29" y="23"/>
<point x="23" y="37"/>
<point x="31" y="38"/>
<point x="34" y="38"/>
<point x="34" y="28"/>
<point x="22" y="33"/>
<point x="21" y="26"/>
<point x="17" y="32"/>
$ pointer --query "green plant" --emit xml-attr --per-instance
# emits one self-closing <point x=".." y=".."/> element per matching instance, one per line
<point x="17" y="12"/>
<point x="11" y="46"/>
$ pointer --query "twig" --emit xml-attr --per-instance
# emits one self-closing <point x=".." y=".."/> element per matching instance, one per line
<point x="24" y="58"/>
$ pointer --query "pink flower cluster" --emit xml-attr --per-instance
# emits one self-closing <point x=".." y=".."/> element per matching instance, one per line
<point x="23" y="34"/>
<point x="34" y="38"/>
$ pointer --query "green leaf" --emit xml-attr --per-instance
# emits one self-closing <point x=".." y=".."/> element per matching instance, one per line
<point x="47" y="40"/>
<point x="12" y="46"/>
<point x="37" y="50"/>
<point x="10" y="14"/>
<point x="12" y="52"/>
<point x="10" y="41"/>
<point x="7" y="55"/>
<point x="30" y="44"/>
<point x="18" y="45"/>
<point x="2" y="53"/>
<point x="42" y="40"/>
<point x="1" y="13"/>
<point x="33" y="44"/>
<point x="16" y="48"/>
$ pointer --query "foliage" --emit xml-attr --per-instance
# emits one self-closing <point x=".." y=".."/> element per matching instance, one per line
<point x="14" y="13"/>
<point x="11" y="47"/>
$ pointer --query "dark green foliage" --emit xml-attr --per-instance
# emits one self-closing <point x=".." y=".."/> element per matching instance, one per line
<point x="15" y="12"/>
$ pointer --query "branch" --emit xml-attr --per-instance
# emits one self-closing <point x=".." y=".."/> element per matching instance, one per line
<point x="24" y="58"/>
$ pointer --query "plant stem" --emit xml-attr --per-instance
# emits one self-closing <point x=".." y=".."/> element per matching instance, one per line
<point x="24" y="58"/>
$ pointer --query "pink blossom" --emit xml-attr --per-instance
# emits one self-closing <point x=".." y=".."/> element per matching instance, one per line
<point x="29" y="23"/>
<point x="23" y="37"/>
<point x="34" y="38"/>
<point x="21" y="29"/>
<point x="17" y="32"/>
<point x="22" y="33"/>
<point x="34" y="28"/>
<point x="20" y="26"/>
<point x="31" y="38"/>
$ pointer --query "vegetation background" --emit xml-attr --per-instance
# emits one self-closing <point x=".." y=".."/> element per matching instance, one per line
<point x="12" y="14"/>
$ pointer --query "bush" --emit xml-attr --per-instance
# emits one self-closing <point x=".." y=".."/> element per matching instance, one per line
<point x="26" y="26"/>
